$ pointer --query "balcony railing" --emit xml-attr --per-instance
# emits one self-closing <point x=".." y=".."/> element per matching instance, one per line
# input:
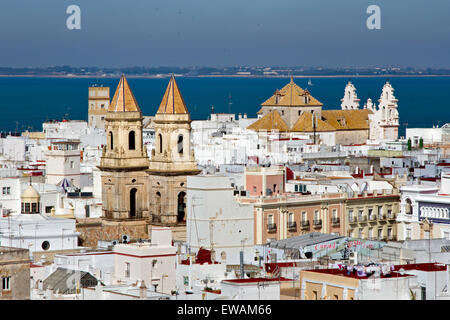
<point x="305" y="225"/>
<point x="372" y="217"/>
<point x="352" y="219"/>
<point x="317" y="223"/>
<point x="335" y="221"/>
<point x="292" y="225"/>
<point x="391" y="215"/>
<point x="271" y="227"/>
<point x="381" y="216"/>
<point x="362" y="218"/>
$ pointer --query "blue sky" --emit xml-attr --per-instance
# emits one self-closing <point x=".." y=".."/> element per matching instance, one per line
<point x="222" y="33"/>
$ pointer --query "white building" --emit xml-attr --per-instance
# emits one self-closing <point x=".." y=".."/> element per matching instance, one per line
<point x="428" y="135"/>
<point x="425" y="211"/>
<point x="215" y="221"/>
<point x="63" y="161"/>
<point x="38" y="232"/>
<point x="152" y="262"/>
<point x="253" y="289"/>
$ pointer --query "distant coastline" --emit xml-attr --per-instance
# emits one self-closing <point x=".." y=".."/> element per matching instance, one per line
<point x="221" y="76"/>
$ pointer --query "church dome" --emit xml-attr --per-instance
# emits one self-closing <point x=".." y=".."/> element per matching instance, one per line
<point x="30" y="193"/>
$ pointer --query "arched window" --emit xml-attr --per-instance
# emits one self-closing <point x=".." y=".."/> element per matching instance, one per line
<point x="160" y="143"/>
<point x="158" y="203"/>
<point x="133" y="202"/>
<point x="180" y="144"/>
<point x="181" y="212"/>
<point x="408" y="207"/>
<point x="131" y="141"/>
<point x="111" y="140"/>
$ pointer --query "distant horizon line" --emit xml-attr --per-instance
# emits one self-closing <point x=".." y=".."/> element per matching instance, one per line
<point x="230" y="66"/>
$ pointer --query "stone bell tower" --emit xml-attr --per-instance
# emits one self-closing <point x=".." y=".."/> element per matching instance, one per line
<point x="124" y="159"/>
<point x="172" y="159"/>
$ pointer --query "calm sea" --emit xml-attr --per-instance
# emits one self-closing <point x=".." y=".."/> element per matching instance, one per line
<point x="25" y="103"/>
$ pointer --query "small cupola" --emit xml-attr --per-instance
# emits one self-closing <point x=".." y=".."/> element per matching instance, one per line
<point x="30" y="199"/>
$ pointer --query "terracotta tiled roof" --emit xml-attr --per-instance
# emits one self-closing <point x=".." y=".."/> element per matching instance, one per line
<point x="291" y="95"/>
<point x="123" y="99"/>
<point x="172" y="101"/>
<point x="347" y="119"/>
<point x="305" y="124"/>
<point x="271" y="121"/>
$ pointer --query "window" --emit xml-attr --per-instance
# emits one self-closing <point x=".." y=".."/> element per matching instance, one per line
<point x="34" y="208"/>
<point x="408" y="234"/>
<point x="316" y="215"/>
<point x="389" y="211"/>
<point x="447" y="235"/>
<point x="6" y="190"/>
<point x="370" y="233"/>
<point x="380" y="212"/>
<point x="360" y="214"/>
<point x="291" y="217"/>
<point x="6" y="283"/>
<point x="304" y="216"/>
<point x="360" y="233"/>
<point x="111" y="140"/>
<point x="27" y="208"/>
<point x="334" y="214"/>
<point x="423" y="291"/>
<point x="350" y="215"/>
<point x="131" y="141"/>
<point x="186" y="280"/>
<point x="270" y="219"/>
<point x="160" y="143"/>
<point x="315" y="295"/>
<point x="72" y="164"/>
<point x="45" y="245"/>
<point x="254" y="188"/>
<point x="127" y="269"/>
<point x="180" y="144"/>
<point x="380" y="233"/>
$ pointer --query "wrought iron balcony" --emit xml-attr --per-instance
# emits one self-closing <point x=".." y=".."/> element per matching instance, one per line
<point x="305" y="224"/>
<point x="335" y="221"/>
<point x="271" y="227"/>
<point x="292" y="225"/>
<point x="317" y="223"/>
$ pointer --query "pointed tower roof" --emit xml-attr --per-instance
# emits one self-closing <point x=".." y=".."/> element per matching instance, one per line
<point x="172" y="101"/>
<point x="123" y="100"/>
